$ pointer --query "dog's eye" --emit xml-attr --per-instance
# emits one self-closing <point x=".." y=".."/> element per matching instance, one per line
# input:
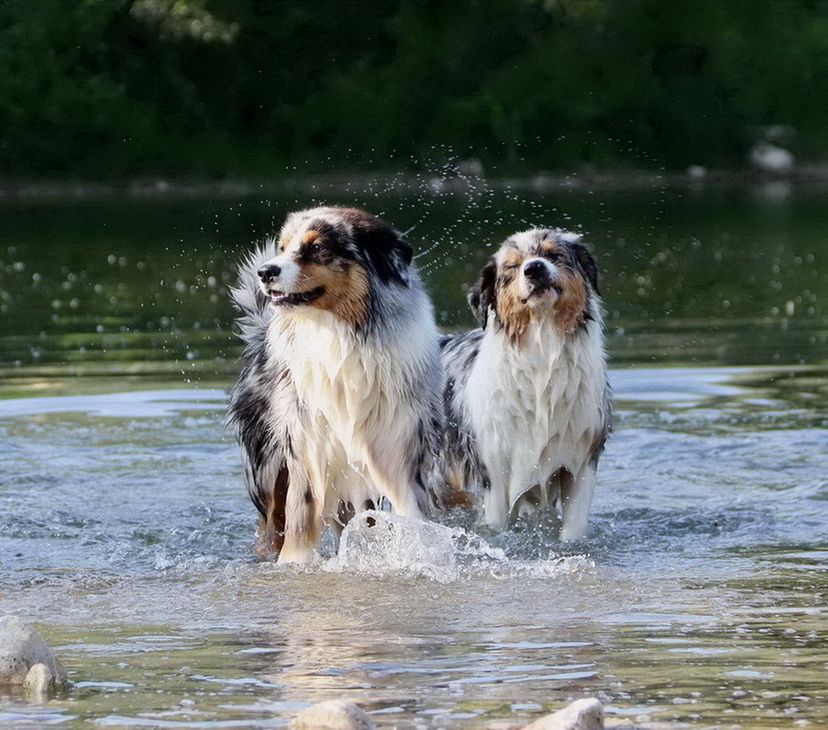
<point x="316" y="248"/>
<point x="553" y="256"/>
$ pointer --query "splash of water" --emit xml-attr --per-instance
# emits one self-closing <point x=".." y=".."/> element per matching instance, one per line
<point x="379" y="543"/>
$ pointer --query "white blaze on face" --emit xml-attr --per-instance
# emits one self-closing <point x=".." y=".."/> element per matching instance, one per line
<point x="290" y="275"/>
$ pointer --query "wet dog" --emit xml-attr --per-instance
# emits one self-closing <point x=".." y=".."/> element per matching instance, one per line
<point x="525" y="395"/>
<point x="338" y="406"/>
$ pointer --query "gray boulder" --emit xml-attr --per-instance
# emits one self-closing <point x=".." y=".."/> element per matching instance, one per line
<point x="332" y="715"/>
<point x="586" y="714"/>
<point x="25" y="660"/>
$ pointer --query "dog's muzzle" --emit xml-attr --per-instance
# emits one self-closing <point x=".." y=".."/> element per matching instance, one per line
<point x="540" y="279"/>
<point x="270" y="275"/>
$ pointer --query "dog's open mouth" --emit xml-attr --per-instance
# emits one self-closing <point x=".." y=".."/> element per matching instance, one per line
<point x="281" y="299"/>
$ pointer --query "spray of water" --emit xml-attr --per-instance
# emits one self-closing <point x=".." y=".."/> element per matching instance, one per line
<point x="381" y="543"/>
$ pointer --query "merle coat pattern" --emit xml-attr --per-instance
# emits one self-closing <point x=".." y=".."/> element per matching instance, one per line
<point x="338" y="405"/>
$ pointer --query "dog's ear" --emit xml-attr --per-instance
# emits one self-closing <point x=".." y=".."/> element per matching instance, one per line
<point x="386" y="249"/>
<point x="482" y="295"/>
<point x="586" y="264"/>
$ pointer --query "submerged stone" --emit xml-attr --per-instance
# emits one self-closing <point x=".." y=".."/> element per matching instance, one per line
<point x="25" y="659"/>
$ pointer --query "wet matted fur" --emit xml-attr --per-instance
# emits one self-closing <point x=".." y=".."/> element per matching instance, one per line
<point x="338" y="406"/>
<point x="525" y="395"/>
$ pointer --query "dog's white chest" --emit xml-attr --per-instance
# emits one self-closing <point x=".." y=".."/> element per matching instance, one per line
<point x="338" y="380"/>
<point x="351" y="405"/>
<point x="537" y="408"/>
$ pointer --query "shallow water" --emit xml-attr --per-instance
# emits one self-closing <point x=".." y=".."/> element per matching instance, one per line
<point x="699" y="595"/>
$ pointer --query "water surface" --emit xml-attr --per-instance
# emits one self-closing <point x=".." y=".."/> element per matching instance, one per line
<point x="125" y="533"/>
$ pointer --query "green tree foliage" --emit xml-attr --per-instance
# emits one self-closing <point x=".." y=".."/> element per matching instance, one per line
<point x="95" y="88"/>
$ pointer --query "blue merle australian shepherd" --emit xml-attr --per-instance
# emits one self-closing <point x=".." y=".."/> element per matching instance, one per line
<point x="526" y="396"/>
<point x="338" y="407"/>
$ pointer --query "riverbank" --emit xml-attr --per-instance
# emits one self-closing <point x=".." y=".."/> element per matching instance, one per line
<point x="448" y="181"/>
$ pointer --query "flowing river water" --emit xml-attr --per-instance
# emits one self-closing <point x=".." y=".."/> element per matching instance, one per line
<point x="125" y="533"/>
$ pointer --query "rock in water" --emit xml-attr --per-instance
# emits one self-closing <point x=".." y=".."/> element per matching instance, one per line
<point x="586" y="714"/>
<point x="770" y="158"/>
<point x="40" y="681"/>
<point x="333" y="715"/>
<point x="697" y="172"/>
<point x="25" y="659"/>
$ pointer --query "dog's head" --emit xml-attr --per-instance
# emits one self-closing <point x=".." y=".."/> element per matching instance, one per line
<point x="543" y="273"/>
<point x="334" y="259"/>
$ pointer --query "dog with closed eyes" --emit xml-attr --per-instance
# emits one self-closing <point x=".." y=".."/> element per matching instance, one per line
<point x="338" y="406"/>
<point x="526" y="397"/>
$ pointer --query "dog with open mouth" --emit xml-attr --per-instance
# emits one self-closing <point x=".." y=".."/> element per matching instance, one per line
<point x="338" y="406"/>
<point x="526" y="397"/>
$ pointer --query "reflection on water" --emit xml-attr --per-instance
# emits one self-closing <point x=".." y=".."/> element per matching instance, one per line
<point x="139" y="289"/>
<point x="699" y="596"/>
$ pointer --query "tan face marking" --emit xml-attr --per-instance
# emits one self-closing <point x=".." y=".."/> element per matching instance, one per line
<point x="511" y="310"/>
<point x="515" y="310"/>
<point x="511" y="259"/>
<point x="346" y="290"/>
<point x="330" y="277"/>
<point x="345" y="283"/>
<point x="569" y="310"/>
<point x="550" y="247"/>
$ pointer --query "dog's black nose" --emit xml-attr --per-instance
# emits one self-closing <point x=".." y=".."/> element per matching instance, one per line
<point x="534" y="269"/>
<point x="268" y="272"/>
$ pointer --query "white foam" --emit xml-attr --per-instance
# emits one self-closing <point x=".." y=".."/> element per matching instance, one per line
<point x="381" y="543"/>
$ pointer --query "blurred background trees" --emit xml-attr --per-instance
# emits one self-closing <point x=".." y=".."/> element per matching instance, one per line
<point x="252" y="88"/>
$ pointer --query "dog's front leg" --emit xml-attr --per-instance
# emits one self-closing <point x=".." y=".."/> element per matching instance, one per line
<point x="496" y="500"/>
<point x="391" y="472"/>
<point x="303" y="525"/>
<point x="576" y="498"/>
